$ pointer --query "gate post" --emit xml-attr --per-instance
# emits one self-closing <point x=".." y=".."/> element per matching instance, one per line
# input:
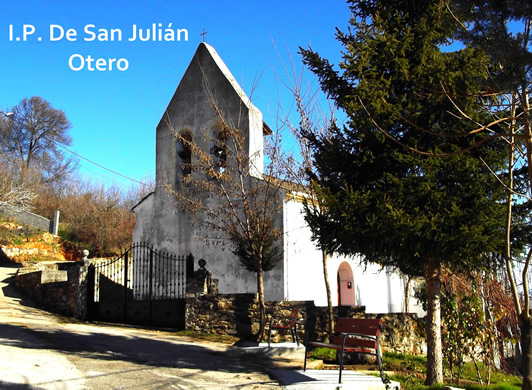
<point x="189" y="267"/>
<point x="91" y="281"/>
<point x="126" y="277"/>
<point x="150" y="287"/>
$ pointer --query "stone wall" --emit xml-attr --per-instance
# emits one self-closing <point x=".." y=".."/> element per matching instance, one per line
<point x="64" y="291"/>
<point x="222" y="314"/>
<point x="28" y="218"/>
<point x="59" y="291"/>
<point x="238" y="315"/>
<point x="17" y="252"/>
<point x="404" y="333"/>
<point x="401" y="332"/>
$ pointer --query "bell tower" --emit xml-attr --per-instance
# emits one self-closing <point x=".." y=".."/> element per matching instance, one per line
<point x="207" y="100"/>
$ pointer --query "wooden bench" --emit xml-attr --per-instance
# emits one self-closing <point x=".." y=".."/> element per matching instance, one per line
<point x="354" y="335"/>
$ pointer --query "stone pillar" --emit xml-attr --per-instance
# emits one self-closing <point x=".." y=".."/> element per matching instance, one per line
<point x="82" y="309"/>
<point x="55" y="223"/>
<point x="201" y="282"/>
<point x="81" y="275"/>
<point x="85" y="259"/>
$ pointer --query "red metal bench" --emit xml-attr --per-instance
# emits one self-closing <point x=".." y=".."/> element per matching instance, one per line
<point x="354" y="335"/>
<point x="285" y="323"/>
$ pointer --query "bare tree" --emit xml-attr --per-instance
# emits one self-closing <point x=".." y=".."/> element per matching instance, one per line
<point x="13" y="194"/>
<point x="227" y="194"/>
<point x="95" y="216"/>
<point x="31" y="141"/>
<point x="519" y="133"/>
<point x="138" y="191"/>
<point x="298" y="164"/>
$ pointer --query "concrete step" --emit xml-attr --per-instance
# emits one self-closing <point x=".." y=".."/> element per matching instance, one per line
<point x="328" y="379"/>
<point x="285" y="350"/>
<point x="297" y="379"/>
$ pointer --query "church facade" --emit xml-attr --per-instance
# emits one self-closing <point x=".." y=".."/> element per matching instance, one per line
<point x="162" y="223"/>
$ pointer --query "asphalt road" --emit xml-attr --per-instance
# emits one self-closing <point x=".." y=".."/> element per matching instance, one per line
<point x="41" y="351"/>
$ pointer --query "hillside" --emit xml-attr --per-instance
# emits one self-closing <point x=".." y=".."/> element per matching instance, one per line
<point x="24" y="245"/>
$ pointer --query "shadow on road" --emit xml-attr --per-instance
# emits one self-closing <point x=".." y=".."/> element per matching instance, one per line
<point x="7" y="274"/>
<point x="102" y="354"/>
<point x="6" y="261"/>
<point x="144" y="350"/>
<point x="17" y="386"/>
<point x="7" y="279"/>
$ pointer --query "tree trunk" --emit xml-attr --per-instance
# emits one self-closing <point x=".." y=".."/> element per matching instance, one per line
<point x="329" y="297"/>
<point x="434" y="350"/>
<point x="525" y="325"/>
<point x="262" y="306"/>
<point x="406" y="307"/>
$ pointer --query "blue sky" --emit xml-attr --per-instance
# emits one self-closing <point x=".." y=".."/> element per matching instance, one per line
<point x="114" y="113"/>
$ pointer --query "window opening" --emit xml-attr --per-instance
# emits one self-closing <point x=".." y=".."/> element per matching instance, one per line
<point x="184" y="152"/>
<point x="219" y="151"/>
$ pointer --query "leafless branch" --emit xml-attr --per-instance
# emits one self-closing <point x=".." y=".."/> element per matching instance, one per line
<point x="526" y="293"/>
<point x="506" y="186"/>
<point x="431" y="154"/>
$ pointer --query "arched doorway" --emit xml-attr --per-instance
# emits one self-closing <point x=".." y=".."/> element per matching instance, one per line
<point x="346" y="285"/>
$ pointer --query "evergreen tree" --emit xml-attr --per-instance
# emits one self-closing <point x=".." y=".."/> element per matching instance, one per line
<point x="396" y="182"/>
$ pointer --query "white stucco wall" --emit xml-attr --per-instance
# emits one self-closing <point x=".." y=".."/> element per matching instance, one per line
<point x="256" y="142"/>
<point x="303" y="270"/>
<point x="143" y="216"/>
<point x="166" y="227"/>
<point x="379" y="291"/>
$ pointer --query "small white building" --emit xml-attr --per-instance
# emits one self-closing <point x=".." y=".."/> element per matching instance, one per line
<point x="168" y="227"/>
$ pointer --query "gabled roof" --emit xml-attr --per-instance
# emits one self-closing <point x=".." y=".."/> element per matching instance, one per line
<point x="206" y="49"/>
<point x="226" y="72"/>
<point x="238" y="89"/>
<point x="142" y="200"/>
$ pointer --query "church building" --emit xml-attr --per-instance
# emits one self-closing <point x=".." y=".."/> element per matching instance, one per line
<point x="166" y="226"/>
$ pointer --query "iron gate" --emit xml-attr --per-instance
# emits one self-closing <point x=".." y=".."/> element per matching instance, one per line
<point x="143" y="286"/>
